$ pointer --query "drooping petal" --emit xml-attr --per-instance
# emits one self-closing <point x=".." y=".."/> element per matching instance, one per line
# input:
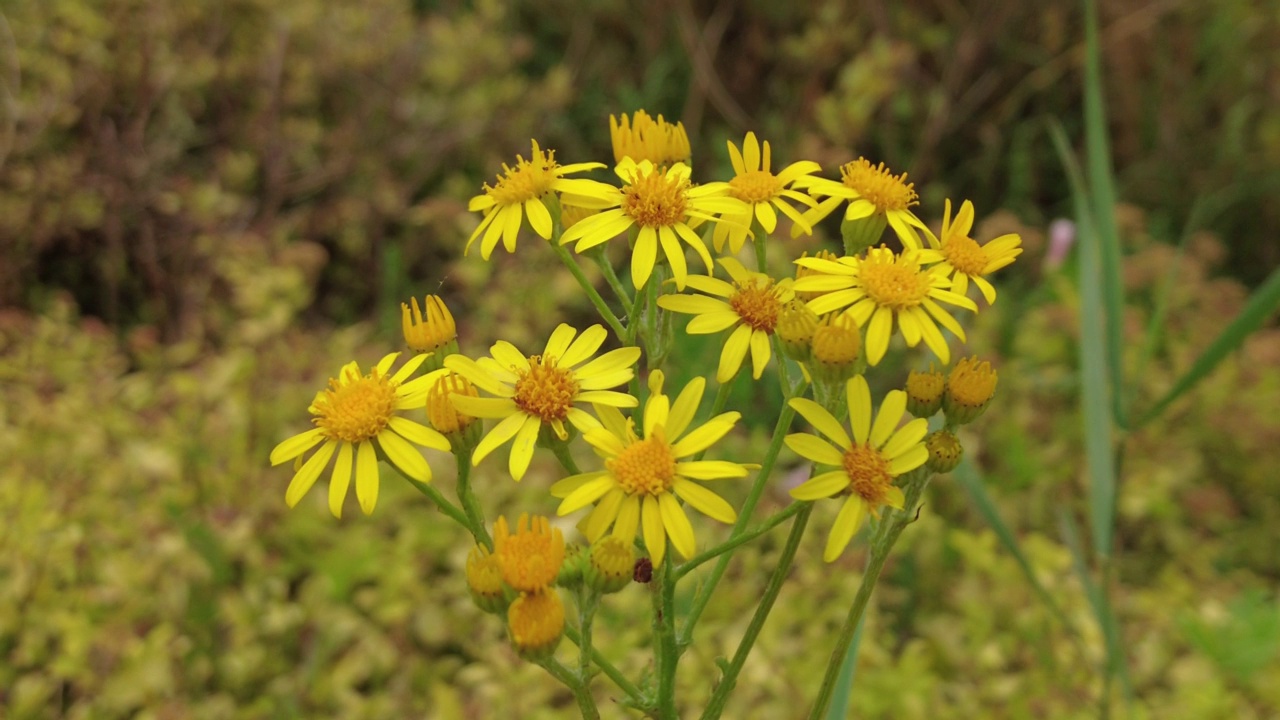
<point x="878" y="333"/>
<point x="605" y="513"/>
<point x="735" y="349"/>
<point x="296" y="445"/>
<point x="677" y="525"/>
<point x="644" y="256"/>
<point x="367" y="477"/>
<point x="500" y="433"/>
<point x="307" y="474"/>
<point x="624" y="526"/>
<point x="759" y="353"/>
<point x="420" y="434"/>
<point x="404" y="456"/>
<point x="539" y="218"/>
<point x="845" y="527"/>
<point x="655" y="537"/>
<point x="522" y="447"/>
<point x="341" y="480"/>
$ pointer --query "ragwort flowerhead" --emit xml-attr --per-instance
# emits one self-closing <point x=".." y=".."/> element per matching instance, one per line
<point x="645" y="475"/>
<point x="866" y="465"/>
<point x="537" y="390"/>
<point x="872" y="191"/>
<point x="530" y="557"/>
<point x="755" y="184"/>
<point x="963" y="259"/>
<point x="882" y="287"/>
<point x="751" y="305"/>
<point x="520" y="192"/>
<point x="640" y="138"/>
<point x="659" y="202"/>
<point x="356" y="411"/>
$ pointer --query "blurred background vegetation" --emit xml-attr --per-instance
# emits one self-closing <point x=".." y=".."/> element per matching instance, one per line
<point x="206" y="207"/>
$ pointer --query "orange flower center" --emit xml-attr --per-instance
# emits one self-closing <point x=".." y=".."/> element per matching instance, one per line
<point x="645" y="466"/>
<point x="755" y="186"/>
<point x="893" y="282"/>
<point x="356" y="407"/>
<point x="545" y="390"/>
<point x="529" y="179"/>
<point x="531" y="557"/>
<point x="655" y="200"/>
<point x="878" y="185"/>
<point x="756" y="302"/>
<point x="965" y="254"/>
<point x="868" y="472"/>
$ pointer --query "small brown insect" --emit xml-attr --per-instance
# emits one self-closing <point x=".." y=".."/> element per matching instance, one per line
<point x="643" y="572"/>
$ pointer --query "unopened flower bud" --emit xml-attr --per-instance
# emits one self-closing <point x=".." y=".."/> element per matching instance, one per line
<point x="575" y="559"/>
<point x="862" y="233"/>
<point x="796" y="325"/>
<point x="970" y="387"/>
<point x="435" y="332"/>
<point x="484" y="580"/>
<point x="803" y="272"/>
<point x="836" y="349"/>
<point x="462" y="430"/>
<point x="945" y="451"/>
<point x="924" y="392"/>
<point x="610" y="564"/>
<point x="536" y="623"/>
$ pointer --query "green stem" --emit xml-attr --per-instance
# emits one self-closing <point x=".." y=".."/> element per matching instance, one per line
<point x="608" y="668"/>
<point x="588" y="288"/>
<point x="446" y="507"/>
<point x="744" y="516"/>
<point x="716" y="704"/>
<point x="470" y="504"/>
<point x="664" y="627"/>
<point x="611" y="277"/>
<point x="586" y="703"/>
<point x="587" y="601"/>
<point x="774" y="521"/>
<point x="881" y="547"/>
<point x="759" y="242"/>
<point x="561" y="451"/>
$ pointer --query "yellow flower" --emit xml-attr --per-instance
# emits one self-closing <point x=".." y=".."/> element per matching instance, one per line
<point x="536" y="623"/>
<point x="518" y="194"/>
<point x="883" y="286"/>
<point x="349" y="416"/>
<point x="531" y="557"/>
<point x="751" y="306"/>
<point x="542" y="389"/>
<point x="867" y="465"/>
<point x="872" y="190"/>
<point x="643" y="138"/>
<point x="963" y="259"/>
<point x="658" y="201"/>
<point x="924" y="392"/>
<point x="755" y="184"/>
<point x="436" y="332"/>
<point x="644" y="476"/>
<point x="970" y="387"/>
<point x="484" y="579"/>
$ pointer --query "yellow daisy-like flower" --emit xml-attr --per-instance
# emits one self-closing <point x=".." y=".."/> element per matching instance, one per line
<point x="658" y="201"/>
<point x="530" y="557"/>
<point x="884" y="286"/>
<point x="867" y="465"/>
<point x="870" y="190"/>
<point x="640" y="138"/>
<point x="751" y="305"/>
<point x="963" y="259"/>
<point x="755" y="184"/>
<point x="518" y="194"/>
<point x="644" y="475"/>
<point x="354" y="412"/>
<point x="538" y="390"/>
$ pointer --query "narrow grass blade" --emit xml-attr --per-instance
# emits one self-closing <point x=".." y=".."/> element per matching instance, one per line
<point x="967" y="477"/>
<point x="1264" y="301"/>
<point x="1101" y="189"/>
<point x="1100" y="602"/>
<point x="1094" y="387"/>
<point x="839" y="708"/>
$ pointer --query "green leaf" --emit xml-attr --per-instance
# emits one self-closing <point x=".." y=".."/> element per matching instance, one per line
<point x="1262" y="303"/>
<point x="1100" y="602"/>
<point x="839" y="708"/>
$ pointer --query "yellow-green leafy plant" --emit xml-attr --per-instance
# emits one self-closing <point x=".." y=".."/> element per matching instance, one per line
<point x="829" y="333"/>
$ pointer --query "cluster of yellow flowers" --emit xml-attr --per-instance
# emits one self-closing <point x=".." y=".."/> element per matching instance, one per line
<point x="833" y="321"/>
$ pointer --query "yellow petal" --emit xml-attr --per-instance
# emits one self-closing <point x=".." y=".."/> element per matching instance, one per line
<point x="814" y="448"/>
<point x="655" y="537"/>
<point x="909" y="460"/>
<point x="735" y="349"/>
<point x="710" y="469"/>
<point x="366" y="477"/>
<point x="822" y="420"/>
<point x="500" y="433"/>
<point x="677" y="525"/>
<point x="624" y="526"/>
<point x="539" y="218"/>
<point x="522" y="448"/>
<point x="878" y="333"/>
<point x="420" y="434"/>
<point x="845" y="527"/>
<point x="584" y="346"/>
<point x="822" y="486"/>
<point x="759" y="353"/>
<point x="588" y="493"/>
<point x="643" y="257"/>
<point x="307" y="474"/>
<point x="404" y="456"/>
<point x="858" y="395"/>
<point x="910" y="434"/>
<point x="684" y="408"/>
<point x="705" y="501"/>
<point x="296" y="445"/>
<point x="605" y="513"/>
<point x="341" y="480"/>
<point x="891" y="410"/>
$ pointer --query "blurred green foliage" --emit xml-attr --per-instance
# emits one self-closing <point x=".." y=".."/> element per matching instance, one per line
<point x="186" y="188"/>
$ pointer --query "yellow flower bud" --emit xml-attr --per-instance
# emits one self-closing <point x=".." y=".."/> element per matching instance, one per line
<point x="484" y="580"/>
<point x="611" y="564"/>
<point x="970" y="388"/>
<point x="434" y="332"/>
<point x="462" y="430"/>
<point x="531" y="557"/>
<point x="945" y="451"/>
<point x="536" y="623"/>
<point x="796" y="325"/>
<point x="924" y="392"/>
<point x="836" y="348"/>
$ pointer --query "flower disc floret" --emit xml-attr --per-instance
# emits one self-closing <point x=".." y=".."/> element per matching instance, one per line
<point x="656" y="198"/>
<point x="530" y="557"/>
<point x="545" y="390"/>
<point x="640" y="137"/>
<point x="878" y="185"/>
<point x="645" y="467"/>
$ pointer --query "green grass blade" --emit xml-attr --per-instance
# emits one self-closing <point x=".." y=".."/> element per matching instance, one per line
<point x="1094" y="388"/>
<point x="1102" y="195"/>
<point x="839" y="707"/>
<point x="1100" y="602"/>
<point x="1264" y="301"/>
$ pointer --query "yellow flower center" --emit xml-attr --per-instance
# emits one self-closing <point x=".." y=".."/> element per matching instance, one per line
<point x="878" y="185"/>
<point x="356" y="407"/>
<point x="755" y="186"/>
<point x="484" y="573"/>
<point x="837" y="340"/>
<point x="654" y="200"/>
<point x="972" y="383"/>
<point x="529" y="179"/>
<point x="440" y="410"/>
<point x="531" y="558"/>
<point x="869" y="476"/>
<point x="545" y="390"/>
<point x="893" y="282"/>
<point x="965" y="254"/>
<point x="756" y="302"/>
<point x="536" y="620"/>
<point x="645" y="466"/>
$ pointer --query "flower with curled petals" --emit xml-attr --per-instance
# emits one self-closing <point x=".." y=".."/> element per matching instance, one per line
<point x="755" y="184"/>
<point x="356" y="411"/>
<point x="881" y="288"/>
<point x="751" y="306"/>
<point x="646" y="475"/>
<point x="537" y="390"/>
<point x="866" y="465"/>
